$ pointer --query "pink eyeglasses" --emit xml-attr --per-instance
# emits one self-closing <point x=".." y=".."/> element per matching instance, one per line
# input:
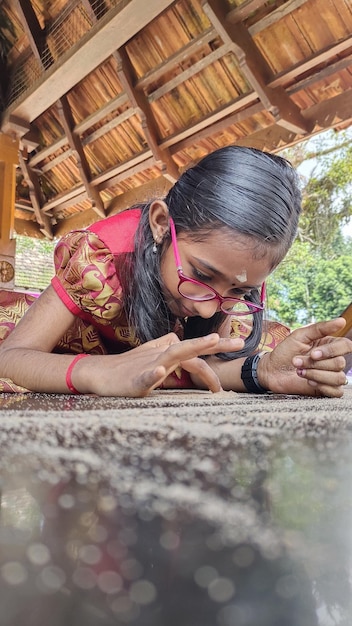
<point x="201" y="292"/>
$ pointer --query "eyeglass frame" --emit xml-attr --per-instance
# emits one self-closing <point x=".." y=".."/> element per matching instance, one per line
<point x="257" y="308"/>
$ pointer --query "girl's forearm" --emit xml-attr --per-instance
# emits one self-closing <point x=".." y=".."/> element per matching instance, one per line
<point x="40" y="371"/>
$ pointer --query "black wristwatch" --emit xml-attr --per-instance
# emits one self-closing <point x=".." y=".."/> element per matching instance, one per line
<point x="249" y="374"/>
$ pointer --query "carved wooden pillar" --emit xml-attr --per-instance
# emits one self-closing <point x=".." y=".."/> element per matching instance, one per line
<point x="9" y="147"/>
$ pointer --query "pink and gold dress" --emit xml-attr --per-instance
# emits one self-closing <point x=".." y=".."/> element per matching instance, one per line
<point x="87" y="282"/>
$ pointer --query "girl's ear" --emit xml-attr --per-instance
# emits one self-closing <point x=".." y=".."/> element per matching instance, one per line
<point x="159" y="219"/>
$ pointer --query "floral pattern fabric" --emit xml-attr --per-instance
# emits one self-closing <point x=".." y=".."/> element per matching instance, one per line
<point x="86" y="279"/>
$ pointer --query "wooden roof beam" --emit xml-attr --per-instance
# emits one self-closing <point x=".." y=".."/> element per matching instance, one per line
<point x="235" y="15"/>
<point x="95" y="9"/>
<point x="62" y="142"/>
<point x="334" y="68"/>
<point x="328" y="113"/>
<point x="178" y="57"/>
<point x="281" y="79"/>
<point x="81" y="127"/>
<point x="255" y="68"/>
<point x="274" y="16"/>
<point x="143" y="193"/>
<point x="149" y="126"/>
<point x="35" y="33"/>
<point x="121" y="99"/>
<point x="321" y="116"/>
<point x="103" y="180"/>
<point x="113" y="30"/>
<point x="240" y="13"/>
<point x="77" y="148"/>
<point x="217" y="127"/>
<point x="194" y="69"/>
<point x="35" y="195"/>
<point x="323" y="56"/>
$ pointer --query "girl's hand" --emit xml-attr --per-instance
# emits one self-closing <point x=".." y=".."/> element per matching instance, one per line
<point x="137" y="372"/>
<point x="308" y="362"/>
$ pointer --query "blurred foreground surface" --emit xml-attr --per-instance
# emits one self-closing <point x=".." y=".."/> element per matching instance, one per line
<point x="181" y="509"/>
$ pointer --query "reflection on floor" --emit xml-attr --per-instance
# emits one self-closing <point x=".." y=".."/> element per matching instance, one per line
<point x="175" y="510"/>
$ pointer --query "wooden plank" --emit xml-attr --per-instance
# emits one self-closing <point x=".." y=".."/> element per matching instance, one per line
<point x="189" y="72"/>
<point x="240" y="13"/>
<point x="113" y="30"/>
<point x="138" y="99"/>
<point x="35" y="195"/>
<point x="176" y="59"/>
<point x="82" y="163"/>
<point x="218" y="127"/>
<point x="328" y="113"/>
<point x="324" y="56"/>
<point x="8" y="161"/>
<point x="81" y="127"/>
<point x="127" y="173"/>
<point x="334" y="68"/>
<point x="255" y="68"/>
<point x="31" y="27"/>
<point x="274" y="16"/>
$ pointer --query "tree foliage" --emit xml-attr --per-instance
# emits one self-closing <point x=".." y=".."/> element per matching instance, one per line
<point x="326" y="193"/>
<point x="309" y="287"/>
<point x="314" y="282"/>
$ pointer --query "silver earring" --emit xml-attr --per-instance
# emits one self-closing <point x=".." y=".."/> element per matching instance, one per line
<point x="155" y="244"/>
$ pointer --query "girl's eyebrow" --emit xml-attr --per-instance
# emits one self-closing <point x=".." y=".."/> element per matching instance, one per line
<point x="212" y="269"/>
<point x="208" y="266"/>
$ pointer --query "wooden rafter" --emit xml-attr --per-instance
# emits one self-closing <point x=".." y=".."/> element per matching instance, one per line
<point x="242" y="12"/>
<point x="280" y="80"/>
<point x="340" y="106"/>
<point x="313" y="62"/>
<point x="106" y="35"/>
<point x="36" y="196"/>
<point x="78" y="151"/>
<point x="81" y="127"/>
<point x="177" y="58"/>
<point x="95" y="9"/>
<point x="255" y="68"/>
<point x="36" y="35"/>
<point x="140" y="102"/>
<point x="212" y="123"/>
<point x="283" y="10"/>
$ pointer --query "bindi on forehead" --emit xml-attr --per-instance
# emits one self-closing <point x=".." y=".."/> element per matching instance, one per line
<point x="242" y="277"/>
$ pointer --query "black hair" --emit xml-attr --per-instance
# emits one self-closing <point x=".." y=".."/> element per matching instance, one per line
<point x="253" y="193"/>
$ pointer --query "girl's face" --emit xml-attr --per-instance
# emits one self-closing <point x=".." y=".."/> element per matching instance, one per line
<point x="230" y="264"/>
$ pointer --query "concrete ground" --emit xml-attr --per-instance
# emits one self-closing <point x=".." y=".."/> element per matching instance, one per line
<point x="180" y="509"/>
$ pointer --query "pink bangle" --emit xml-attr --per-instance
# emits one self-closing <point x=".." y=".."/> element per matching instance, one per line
<point x="69" y="383"/>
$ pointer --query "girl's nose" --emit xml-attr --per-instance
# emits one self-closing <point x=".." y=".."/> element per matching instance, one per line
<point x="207" y="308"/>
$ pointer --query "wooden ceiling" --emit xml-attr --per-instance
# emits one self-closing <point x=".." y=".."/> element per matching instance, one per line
<point x="112" y="99"/>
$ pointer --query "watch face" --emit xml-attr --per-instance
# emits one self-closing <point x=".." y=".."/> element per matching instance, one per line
<point x="7" y="272"/>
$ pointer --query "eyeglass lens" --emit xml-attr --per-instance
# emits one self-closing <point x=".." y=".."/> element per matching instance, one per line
<point x="200" y="292"/>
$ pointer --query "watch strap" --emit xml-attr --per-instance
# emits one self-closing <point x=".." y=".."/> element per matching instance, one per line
<point x="249" y="375"/>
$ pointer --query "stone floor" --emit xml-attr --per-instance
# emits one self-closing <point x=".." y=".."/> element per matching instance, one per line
<point x="180" y="509"/>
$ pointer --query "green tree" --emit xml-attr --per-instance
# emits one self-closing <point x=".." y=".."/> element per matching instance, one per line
<point x="326" y="193"/>
<point x="314" y="282"/>
<point x="309" y="287"/>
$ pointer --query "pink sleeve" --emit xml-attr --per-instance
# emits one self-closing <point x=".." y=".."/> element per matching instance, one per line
<point x="85" y="276"/>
